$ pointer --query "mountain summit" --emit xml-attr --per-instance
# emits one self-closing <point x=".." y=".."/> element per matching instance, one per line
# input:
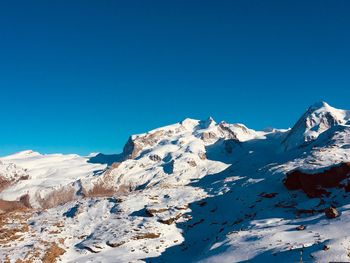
<point x="318" y="118"/>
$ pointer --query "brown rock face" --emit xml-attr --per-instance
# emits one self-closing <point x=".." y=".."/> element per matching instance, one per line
<point x="155" y="158"/>
<point x="131" y="149"/>
<point x="315" y="185"/>
<point x="301" y="228"/>
<point x="331" y="212"/>
<point x="192" y="163"/>
<point x="170" y="220"/>
<point x="153" y="211"/>
<point x="208" y="136"/>
<point x="8" y="206"/>
<point x="135" y="144"/>
<point x="53" y="253"/>
<point x="227" y="131"/>
<point x="4" y="183"/>
<point x="24" y="199"/>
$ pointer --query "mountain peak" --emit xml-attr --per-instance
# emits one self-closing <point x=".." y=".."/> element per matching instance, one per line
<point x="317" y="119"/>
<point x="189" y="123"/>
<point x="209" y="122"/>
<point x="319" y="105"/>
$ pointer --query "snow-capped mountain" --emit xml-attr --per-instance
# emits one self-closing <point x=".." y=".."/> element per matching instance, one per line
<point x="194" y="191"/>
<point x="317" y="119"/>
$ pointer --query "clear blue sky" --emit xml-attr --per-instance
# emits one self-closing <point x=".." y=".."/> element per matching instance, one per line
<point x="80" y="76"/>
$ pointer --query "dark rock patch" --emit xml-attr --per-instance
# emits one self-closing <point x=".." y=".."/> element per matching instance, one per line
<point x="268" y="195"/>
<point x="301" y="227"/>
<point x="315" y="185"/>
<point x="155" y="158"/>
<point x="331" y="212"/>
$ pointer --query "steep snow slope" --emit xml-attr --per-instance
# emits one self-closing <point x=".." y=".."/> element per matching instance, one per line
<point x="195" y="191"/>
<point x="317" y="119"/>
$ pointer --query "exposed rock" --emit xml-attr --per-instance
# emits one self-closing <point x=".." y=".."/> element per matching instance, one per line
<point x="115" y="165"/>
<point x="325" y="247"/>
<point x="115" y="244"/>
<point x="268" y="195"/>
<point x="314" y="185"/>
<point x="227" y="132"/>
<point x="92" y="249"/>
<point x="206" y="136"/>
<point x="202" y="155"/>
<point x="4" y="183"/>
<point x="59" y="196"/>
<point x="24" y="199"/>
<point x="155" y="158"/>
<point x="169" y="221"/>
<point x="182" y="207"/>
<point x="192" y="163"/>
<point x="13" y="226"/>
<point x="8" y="206"/>
<point x="153" y="211"/>
<point x="331" y="212"/>
<point x="147" y="235"/>
<point x="53" y="253"/>
<point x="301" y="227"/>
<point x="135" y="144"/>
<point x="131" y="149"/>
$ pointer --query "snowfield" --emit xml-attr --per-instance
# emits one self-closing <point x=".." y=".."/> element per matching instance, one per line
<point x="195" y="191"/>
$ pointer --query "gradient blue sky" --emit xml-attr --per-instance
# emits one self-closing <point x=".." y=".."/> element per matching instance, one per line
<point x="80" y="76"/>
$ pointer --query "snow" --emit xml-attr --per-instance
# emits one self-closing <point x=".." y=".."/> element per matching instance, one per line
<point x="10" y="171"/>
<point x="46" y="173"/>
<point x="317" y="119"/>
<point x="197" y="191"/>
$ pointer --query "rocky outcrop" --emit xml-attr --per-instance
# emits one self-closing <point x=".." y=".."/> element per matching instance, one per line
<point x="331" y="212"/>
<point x="137" y="143"/>
<point x="300" y="228"/>
<point x="154" y="211"/>
<point x="226" y="131"/>
<point x="56" y="197"/>
<point x="207" y="136"/>
<point x="316" y="184"/>
<point x="155" y="157"/>
<point x="4" y="183"/>
<point x="131" y="149"/>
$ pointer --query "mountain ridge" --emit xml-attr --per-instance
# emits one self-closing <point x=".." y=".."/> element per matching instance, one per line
<point x="197" y="190"/>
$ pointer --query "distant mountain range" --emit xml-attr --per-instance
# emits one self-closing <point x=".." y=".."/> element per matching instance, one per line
<point x="194" y="191"/>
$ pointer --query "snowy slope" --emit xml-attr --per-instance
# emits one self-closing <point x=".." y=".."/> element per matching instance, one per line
<point x="46" y="173"/>
<point x="195" y="191"/>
